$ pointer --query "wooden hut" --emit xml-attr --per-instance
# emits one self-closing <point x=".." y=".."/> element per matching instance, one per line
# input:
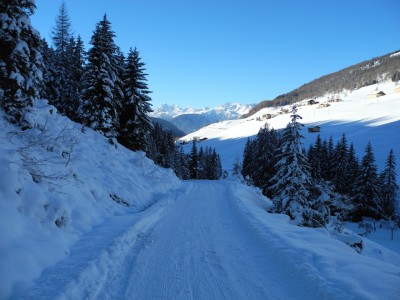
<point x="314" y="129"/>
<point x="376" y="95"/>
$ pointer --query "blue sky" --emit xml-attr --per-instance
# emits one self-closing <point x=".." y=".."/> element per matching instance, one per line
<point x="208" y="52"/>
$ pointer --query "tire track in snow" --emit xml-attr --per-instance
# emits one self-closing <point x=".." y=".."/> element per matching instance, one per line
<point x="201" y="250"/>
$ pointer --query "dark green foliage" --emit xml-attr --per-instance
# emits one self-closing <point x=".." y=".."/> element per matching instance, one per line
<point x="194" y="161"/>
<point x="48" y="88"/>
<point x="198" y="164"/>
<point x="353" y="171"/>
<point x="181" y="164"/>
<point x="389" y="188"/>
<point x="102" y="87"/>
<point x="161" y="147"/>
<point x="209" y="165"/>
<point x="77" y="57"/>
<point x="20" y="60"/>
<point x="134" y="122"/>
<point x="62" y="65"/>
<point x="249" y="155"/>
<point x="291" y="185"/>
<point x="260" y="157"/>
<point x="367" y="188"/>
<point x="340" y="167"/>
<point x="316" y="157"/>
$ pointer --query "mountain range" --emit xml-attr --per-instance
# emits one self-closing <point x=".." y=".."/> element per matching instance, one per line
<point x="190" y="119"/>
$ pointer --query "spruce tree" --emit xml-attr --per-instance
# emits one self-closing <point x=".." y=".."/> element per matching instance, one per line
<point x="161" y="147"/>
<point x="77" y="57"/>
<point x="316" y="159"/>
<point x="101" y="91"/>
<point x="21" y="63"/>
<point x="265" y="157"/>
<point x="353" y="169"/>
<point x="291" y="184"/>
<point x="367" y="188"/>
<point x="64" y="43"/>
<point x="248" y="164"/>
<point x="193" y="161"/>
<point x="390" y="187"/>
<point x="135" y="122"/>
<point x="181" y="167"/>
<point x="216" y="166"/>
<point x="48" y="87"/>
<point x="340" y="168"/>
<point x="328" y="162"/>
<point x="202" y="163"/>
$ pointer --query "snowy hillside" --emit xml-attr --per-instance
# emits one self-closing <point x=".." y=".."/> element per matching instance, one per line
<point x="189" y="119"/>
<point x="83" y="219"/>
<point x="359" y="116"/>
<point x="57" y="183"/>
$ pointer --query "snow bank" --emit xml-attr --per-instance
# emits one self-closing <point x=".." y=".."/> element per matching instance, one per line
<point x="58" y="182"/>
<point x="330" y="268"/>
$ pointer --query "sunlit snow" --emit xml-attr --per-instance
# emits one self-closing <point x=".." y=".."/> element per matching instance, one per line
<point x="83" y="219"/>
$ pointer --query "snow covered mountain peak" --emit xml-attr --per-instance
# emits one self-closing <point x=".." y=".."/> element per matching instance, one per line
<point x="190" y="119"/>
<point x="226" y="111"/>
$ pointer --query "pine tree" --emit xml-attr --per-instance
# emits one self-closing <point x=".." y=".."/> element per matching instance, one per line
<point x="292" y="182"/>
<point x="64" y="43"/>
<point x="340" y="169"/>
<point x="48" y="88"/>
<point x="161" y="147"/>
<point x="193" y="162"/>
<point x="21" y="63"/>
<point x="316" y="159"/>
<point x="62" y="32"/>
<point x="102" y="93"/>
<point x="353" y="170"/>
<point x="390" y="187"/>
<point x="77" y="57"/>
<point x="265" y="157"/>
<point x="135" y="123"/>
<point x="328" y="164"/>
<point x="216" y="166"/>
<point x="202" y="163"/>
<point x="181" y="167"/>
<point x="367" y="188"/>
<point x="248" y="164"/>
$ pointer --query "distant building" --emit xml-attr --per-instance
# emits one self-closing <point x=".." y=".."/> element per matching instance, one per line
<point x="322" y="105"/>
<point x="314" y="129"/>
<point x="376" y="95"/>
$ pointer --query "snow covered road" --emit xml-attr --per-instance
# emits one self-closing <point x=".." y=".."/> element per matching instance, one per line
<point x="195" y="244"/>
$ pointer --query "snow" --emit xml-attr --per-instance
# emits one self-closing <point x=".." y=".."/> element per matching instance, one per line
<point x="395" y="54"/>
<point x="220" y="112"/>
<point x="189" y="119"/>
<point x="81" y="218"/>
<point x="56" y="173"/>
<point x="360" y="118"/>
<point x="213" y="240"/>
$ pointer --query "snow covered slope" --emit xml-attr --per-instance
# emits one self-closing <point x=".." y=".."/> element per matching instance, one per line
<point x="58" y="183"/>
<point x="83" y="219"/>
<point x="214" y="240"/>
<point x="360" y="117"/>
